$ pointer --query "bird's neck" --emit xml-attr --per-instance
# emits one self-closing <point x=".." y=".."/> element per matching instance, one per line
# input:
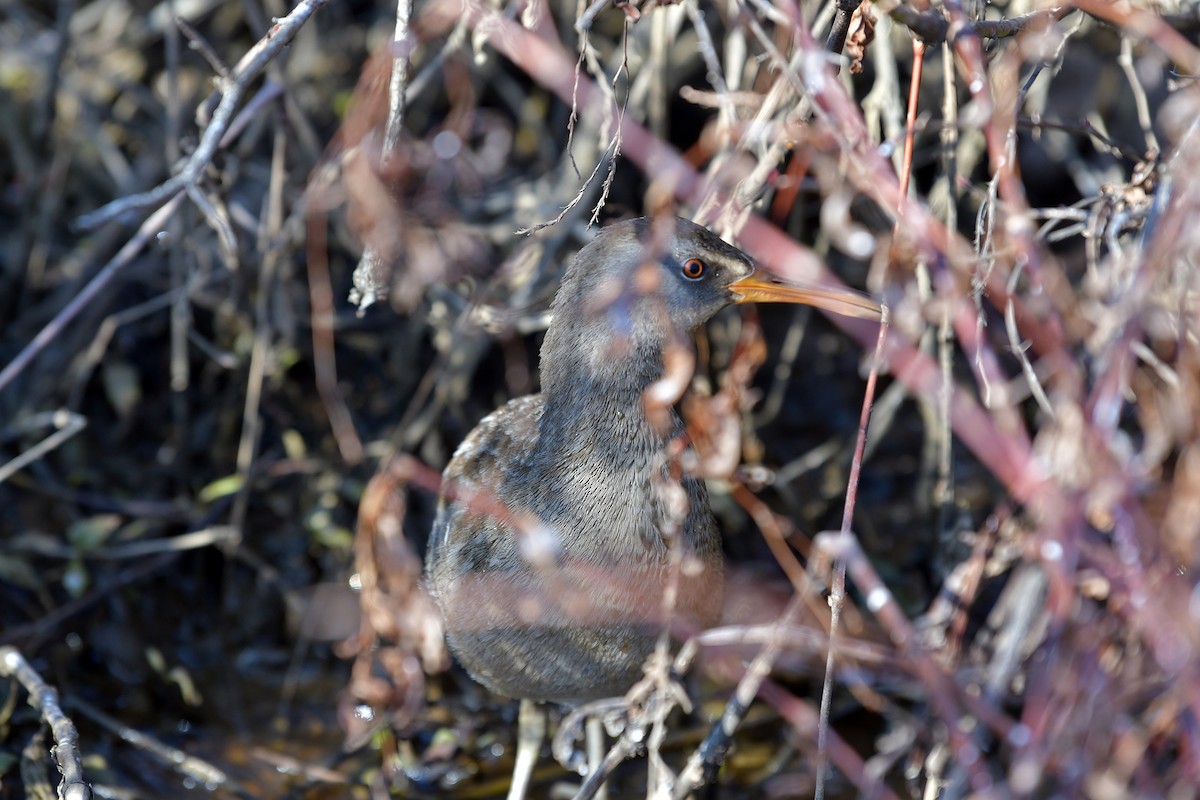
<point x="600" y="467"/>
<point x="594" y="395"/>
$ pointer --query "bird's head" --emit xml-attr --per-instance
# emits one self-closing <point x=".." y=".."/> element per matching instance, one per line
<point x="651" y="274"/>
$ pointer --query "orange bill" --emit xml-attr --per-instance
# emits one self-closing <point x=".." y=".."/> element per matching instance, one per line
<point x="759" y="287"/>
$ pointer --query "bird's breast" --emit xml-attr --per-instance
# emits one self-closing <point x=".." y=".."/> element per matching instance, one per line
<point x="554" y="539"/>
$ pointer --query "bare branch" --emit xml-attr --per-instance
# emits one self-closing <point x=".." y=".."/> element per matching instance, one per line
<point x="44" y="698"/>
<point x="251" y="65"/>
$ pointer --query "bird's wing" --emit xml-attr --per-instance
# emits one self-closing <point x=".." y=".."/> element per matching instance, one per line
<point x="476" y="494"/>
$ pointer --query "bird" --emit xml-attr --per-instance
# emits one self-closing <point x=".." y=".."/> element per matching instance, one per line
<point x="550" y="549"/>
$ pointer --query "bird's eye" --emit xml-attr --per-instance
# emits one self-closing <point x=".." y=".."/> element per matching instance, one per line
<point x="693" y="268"/>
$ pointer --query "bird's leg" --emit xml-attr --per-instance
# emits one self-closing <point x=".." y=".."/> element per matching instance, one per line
<point x="531" y="730"/>
<point x="594" y="738"/>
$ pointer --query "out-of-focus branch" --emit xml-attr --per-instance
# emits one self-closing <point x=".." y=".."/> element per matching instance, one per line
<point x="204" y="773"/>
<point x="932" y="26"/>
<point x="1147" y="25"/>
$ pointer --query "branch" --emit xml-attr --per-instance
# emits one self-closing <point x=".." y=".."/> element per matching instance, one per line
<point x="235" y="88"/>
<point x="841" y="26"/>
<point x="124" y="256"/>
<point x="932" y="26"/>
<point x="44" y="698"/>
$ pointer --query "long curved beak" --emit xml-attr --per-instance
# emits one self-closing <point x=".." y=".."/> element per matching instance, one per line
<point x="759" y="287"/>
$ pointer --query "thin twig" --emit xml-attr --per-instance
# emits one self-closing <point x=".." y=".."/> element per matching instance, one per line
<point x="398" y="84"/>
<point x="190" y="766"/>
<point x="837" y="592"/>
<point x="88" y="293"/>
<point x="66" y="425"/>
